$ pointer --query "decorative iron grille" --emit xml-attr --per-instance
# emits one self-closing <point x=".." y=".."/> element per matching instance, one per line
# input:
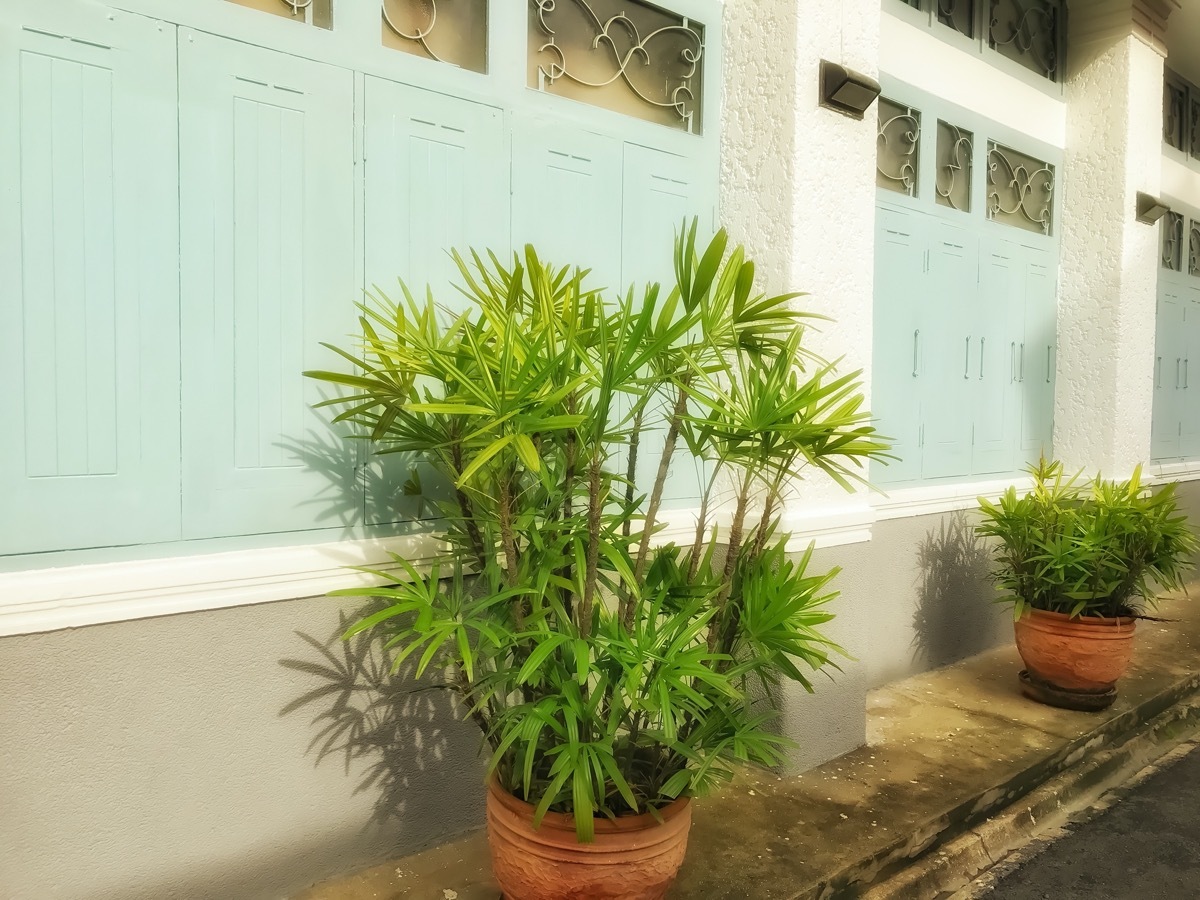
<point x="1175" y="111"/>
<point x="1172" y="241"/>
<point x="449" y="31"/>
<point x="1020" y="189"/>
<point x="314" y="12"/>
<point x="624" y="55"/>
<point x="953" y="180"/>
<point x="1195" y="124"/>
<point x="1027" y="32"/>
<point x="897" y="147"/>
<point x="957" y="14"/>
<point x="1194" y="248"/>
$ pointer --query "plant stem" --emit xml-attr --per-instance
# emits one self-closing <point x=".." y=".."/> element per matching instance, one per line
<point x="595" y="506"/>
<point x="635" y="439"/>
<point x="702" y="524"/>
<point x="465" y="506"/>
<point x="732" y="551"/>
<point x="664" y="466"/>
<point x="509" y="543"/>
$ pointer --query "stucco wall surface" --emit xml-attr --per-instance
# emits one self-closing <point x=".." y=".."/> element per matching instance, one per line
<point x="1108" y="274"/>
<point x="181" y="757"/>
<point x="798" y="189"/>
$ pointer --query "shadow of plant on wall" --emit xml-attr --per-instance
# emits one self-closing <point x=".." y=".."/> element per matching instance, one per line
<point x="402" y="738"/>
<point x="954" y="617"/>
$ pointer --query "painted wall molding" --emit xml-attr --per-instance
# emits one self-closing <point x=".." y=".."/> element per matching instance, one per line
<point x="76" y="596"/>
<point x="1187" y="470"/>
<point x="927" y="500"/>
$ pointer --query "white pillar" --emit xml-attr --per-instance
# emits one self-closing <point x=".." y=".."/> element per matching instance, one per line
<point x="1109" y="268"/>
<point x="798" y="189"/>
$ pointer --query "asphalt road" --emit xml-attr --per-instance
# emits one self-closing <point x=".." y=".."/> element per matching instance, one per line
<point x="1144" y="847"/>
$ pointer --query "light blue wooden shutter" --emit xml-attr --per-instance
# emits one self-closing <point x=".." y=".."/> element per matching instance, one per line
<point x="1036" y="358"/>
<point x="267" y="271"/>
<point x="566" y="196"/>
<point x="89" y="447"/>
<point x="437" y="179"/>
<point x="1168" y="371"/>
<point x="998" y="311"/>
<point x="899" y="341"/>
<point x="662" y="191"/>
<point x="1188" y="405"/>
<point x="952" y="351"/>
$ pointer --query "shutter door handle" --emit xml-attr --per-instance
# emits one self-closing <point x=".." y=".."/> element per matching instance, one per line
<point x="1021" y="368"/>
<point x="1158" y="371"/>
<point x="1049" y="350"/>
<point x="916" y="341"/>
<point x="967" y="358"/>
<point x="1177" y="362"/>
<point x="1012" y="362"/>
<point x="982" y="346"/>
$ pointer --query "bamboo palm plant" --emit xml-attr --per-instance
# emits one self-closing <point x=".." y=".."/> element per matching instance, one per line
<point x="1088" y="548"/>
<point x="609" y="673"/>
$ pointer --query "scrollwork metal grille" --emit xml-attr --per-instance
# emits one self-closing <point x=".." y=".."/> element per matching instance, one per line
<point x="953" y="181"/>
<point x="1027" y="31"/>
<point x="1194" y="248"/>
<point x="1175" y="112"/>
<point x="1195" y="123"/>
<point x="449" y="31"/>
<point x="1020" y="189"/>
<point x="314" y="12"/>
<point x="624" y="55"/>
<point x="957" y="14"/>
<point x="1172" y="241"/>
<point x="897" y="147"/>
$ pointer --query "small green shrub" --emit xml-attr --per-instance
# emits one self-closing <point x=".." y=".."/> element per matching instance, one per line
<point x="1098" y="548"/>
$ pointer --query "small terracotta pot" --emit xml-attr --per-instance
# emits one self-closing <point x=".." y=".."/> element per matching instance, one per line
<point x="1085" y="654"/>
<point x="632" y="858"/>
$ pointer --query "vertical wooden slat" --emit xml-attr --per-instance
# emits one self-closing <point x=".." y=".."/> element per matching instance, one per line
<point x="100" y="239"/>
<point x="36" y="167"/>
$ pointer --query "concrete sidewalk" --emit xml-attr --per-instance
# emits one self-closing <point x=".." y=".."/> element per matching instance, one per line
<point x="946" y="750"/>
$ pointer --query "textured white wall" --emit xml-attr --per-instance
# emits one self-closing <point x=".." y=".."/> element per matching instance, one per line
<point x="917" y="57"/>
<point x="798" y="189"/>
<point x="798" y="181"/>
<point x="1107" y="286"/>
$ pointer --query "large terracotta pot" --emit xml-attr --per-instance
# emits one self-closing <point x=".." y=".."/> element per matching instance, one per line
<point x="1084" y="654"/>
<point x="632" y="858"/>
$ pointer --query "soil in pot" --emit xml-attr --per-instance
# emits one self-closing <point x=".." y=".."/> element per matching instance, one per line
<point x="1073" y="663"/>
<point x="632" y="858"/>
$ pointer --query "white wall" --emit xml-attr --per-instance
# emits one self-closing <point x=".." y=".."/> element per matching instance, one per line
<point x="915" y="56"/>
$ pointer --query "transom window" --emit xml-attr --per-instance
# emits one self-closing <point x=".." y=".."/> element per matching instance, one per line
<point x="450" y="31"/>
<point x="623" y="55"/>
<point x="1181" y="114"/>
<point x="1028" y="32"/>
<point x="313" y="12"/>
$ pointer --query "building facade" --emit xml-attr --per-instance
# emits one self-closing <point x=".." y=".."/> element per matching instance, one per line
<point x="195" y="193"/>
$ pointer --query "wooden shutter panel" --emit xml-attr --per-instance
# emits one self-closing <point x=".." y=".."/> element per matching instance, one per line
<point x="88" y="279"/>
<point x="267" y="271"/>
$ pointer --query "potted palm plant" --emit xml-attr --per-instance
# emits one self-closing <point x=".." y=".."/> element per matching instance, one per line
<point x="1081" y="563"/>
<point x="612" y="674"/>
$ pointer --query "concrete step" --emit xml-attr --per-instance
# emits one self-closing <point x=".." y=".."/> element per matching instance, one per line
<point x="947" y="750"/>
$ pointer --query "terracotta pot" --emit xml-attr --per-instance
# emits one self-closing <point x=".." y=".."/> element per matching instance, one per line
<point x="633" y="858"/>
<point x="1084" y="654"/>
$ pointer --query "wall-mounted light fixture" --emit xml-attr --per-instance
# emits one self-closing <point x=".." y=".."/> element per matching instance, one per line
<point x="850" y="93"/>
<point x="1150" y="209"/>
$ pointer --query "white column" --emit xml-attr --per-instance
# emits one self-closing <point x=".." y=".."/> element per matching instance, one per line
<point x="1109" y="269"/>
<point x="798" y="189"/>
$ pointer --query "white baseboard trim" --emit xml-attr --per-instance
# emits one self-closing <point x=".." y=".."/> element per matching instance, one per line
<point x="1187" y="470"/>
<point x="927" y="500"/>
<point x="76" y="596"/>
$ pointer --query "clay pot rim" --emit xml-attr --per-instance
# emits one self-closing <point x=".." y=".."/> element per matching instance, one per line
<point x="603" y="825"/>
<point x="1085" y="621"/>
